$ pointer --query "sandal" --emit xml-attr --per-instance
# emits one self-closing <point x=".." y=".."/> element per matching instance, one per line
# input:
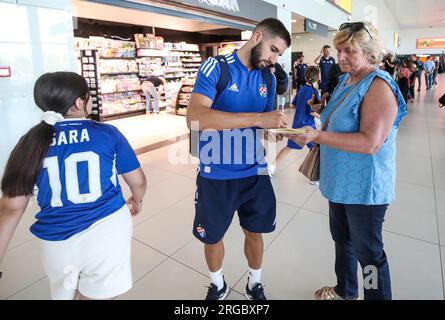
<point x="327" y="293"/>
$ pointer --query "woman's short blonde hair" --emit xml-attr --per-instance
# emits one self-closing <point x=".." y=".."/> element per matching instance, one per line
<point x="371" y="46"/>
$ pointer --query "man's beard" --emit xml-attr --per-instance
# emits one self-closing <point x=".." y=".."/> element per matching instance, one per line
<point x="255" y="56"/>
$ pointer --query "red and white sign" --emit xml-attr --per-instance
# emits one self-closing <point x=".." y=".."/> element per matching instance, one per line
<point x="5" y="72"/>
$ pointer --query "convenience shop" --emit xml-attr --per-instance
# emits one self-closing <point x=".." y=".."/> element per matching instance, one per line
<point x="132" y="40"/>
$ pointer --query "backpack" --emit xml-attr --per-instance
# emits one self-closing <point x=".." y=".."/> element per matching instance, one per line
<point x="223" y="81"/>
<point x="442" y="101"/>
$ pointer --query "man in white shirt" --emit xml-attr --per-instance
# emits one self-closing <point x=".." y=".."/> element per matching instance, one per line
<point x="429" y="72"/>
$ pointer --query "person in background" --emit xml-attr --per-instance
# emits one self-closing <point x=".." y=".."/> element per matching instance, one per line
<point x="282" y="84"/>
<point x="389" y="64"/>
<point x="436" y="70"/>
<point x="294" y="76"/>
<point x="325" y="62"/>
<point x="412" y="82"/>
<point x="303" y="113"/>
<point x="151" y="88"/>
<point x="429" y="72"/>
<point x="442" y="101"/>
<point x="420" y="67"/>
<point x="403" y="79"/>
<point x="442" y="64"/>
<point x="301" y="70"/>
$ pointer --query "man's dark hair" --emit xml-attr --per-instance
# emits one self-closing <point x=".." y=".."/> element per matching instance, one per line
<point x="326" y="46"/>
<point x="274" y="28"/>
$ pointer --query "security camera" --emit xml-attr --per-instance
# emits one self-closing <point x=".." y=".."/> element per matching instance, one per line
<point x="349" y="18"/>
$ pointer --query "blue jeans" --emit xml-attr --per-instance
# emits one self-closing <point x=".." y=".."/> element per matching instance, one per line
<point x="429" y="80"/>
<point x="357" y="233"/>
<point x="419" y="80"/>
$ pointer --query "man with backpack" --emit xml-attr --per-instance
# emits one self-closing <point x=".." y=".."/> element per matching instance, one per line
<point x="231" y="103"/>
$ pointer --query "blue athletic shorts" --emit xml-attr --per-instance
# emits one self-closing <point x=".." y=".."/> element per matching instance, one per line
<point x="217" y="200"/>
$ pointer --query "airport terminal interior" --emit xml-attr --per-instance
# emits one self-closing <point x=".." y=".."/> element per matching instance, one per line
<point x="118" y="46"/>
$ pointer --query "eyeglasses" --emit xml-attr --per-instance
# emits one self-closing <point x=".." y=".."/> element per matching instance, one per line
<point x="355" y="27"/>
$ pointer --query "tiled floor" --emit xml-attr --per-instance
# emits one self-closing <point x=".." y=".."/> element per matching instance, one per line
<point x="143" y="130"/>
<point x="168" y="263"/>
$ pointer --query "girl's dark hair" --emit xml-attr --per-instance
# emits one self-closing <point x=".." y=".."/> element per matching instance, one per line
<point x="312" y="74"/>
<point x="55" y="91"/>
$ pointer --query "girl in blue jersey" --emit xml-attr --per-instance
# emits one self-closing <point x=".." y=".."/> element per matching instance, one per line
<point x="85" y="224"/>
<point x="303" y="112"/>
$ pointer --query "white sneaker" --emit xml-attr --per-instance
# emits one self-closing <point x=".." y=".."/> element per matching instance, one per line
<point x="271" y="170"/>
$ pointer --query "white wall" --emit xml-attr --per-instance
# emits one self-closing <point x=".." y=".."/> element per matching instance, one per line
<point x="374" y="11"/>
<point x="285" y="16"/>
<point x="35" y="37"/>
<point x="317" y="10"/>
<point x="377" y="12"/>
<point x="408" y="40"/>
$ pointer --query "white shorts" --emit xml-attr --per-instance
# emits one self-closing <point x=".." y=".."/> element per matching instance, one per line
<point x="97" y="261"/>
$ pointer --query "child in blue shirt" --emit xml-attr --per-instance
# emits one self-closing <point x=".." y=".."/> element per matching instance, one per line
<point x="303" y="113"/>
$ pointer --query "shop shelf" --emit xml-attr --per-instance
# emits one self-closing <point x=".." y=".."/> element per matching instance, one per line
<point x="117" y="58"/>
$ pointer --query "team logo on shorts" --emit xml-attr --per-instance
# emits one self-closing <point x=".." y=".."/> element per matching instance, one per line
<point x="263" y="91"/>
<point x="201" y="231"/>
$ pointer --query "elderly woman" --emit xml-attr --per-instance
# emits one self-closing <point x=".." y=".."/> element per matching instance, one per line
<point x="358" y="162"/>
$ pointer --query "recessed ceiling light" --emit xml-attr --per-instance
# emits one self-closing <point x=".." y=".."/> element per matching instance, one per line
<point x="298" y="37"/>
<point x="293" y="20"/>
<point x="311" y="39"/>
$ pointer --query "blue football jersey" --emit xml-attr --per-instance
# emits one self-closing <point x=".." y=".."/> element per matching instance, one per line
<point x="78" y="183"/>
<point x="237" y="153"/>
<point x="301" y="69"/>
<point x="325" y="67"/>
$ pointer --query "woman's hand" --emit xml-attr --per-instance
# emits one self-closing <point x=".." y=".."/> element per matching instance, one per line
<point x="318" y="106"/>
<point x="134" y="206"/>
<point x="272" y="137"/>
<point x="315" y="115"/>
<point x="310" y="135"/>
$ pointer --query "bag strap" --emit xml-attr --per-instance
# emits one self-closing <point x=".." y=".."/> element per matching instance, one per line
<point x="325" y="126"/>
<point x="224" y="76"/>
<point x="267" y="75"/>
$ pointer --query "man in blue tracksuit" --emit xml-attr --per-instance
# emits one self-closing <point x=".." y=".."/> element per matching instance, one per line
<point x="232" y="172"/>
<point x="300" y="68"/>
<point x="325" y="62"/>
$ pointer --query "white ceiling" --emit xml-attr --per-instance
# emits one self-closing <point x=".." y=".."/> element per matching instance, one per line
<point x="418" y="13"/>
